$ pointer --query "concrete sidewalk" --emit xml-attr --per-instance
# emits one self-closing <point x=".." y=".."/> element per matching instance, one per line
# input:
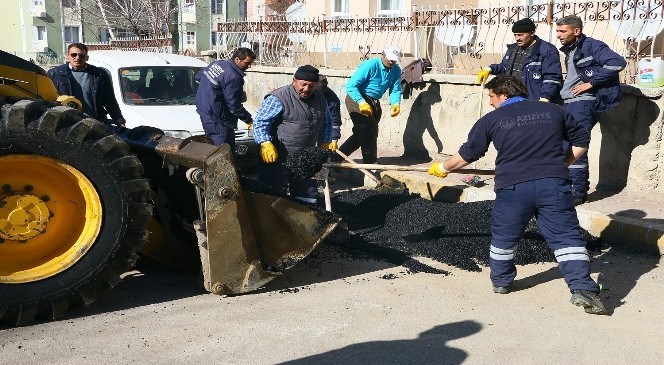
<point x="623" y="218"/>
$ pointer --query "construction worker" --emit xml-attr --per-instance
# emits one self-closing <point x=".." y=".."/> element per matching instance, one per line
<point x="364" y="89"/>
<point x="219" y="96"/>
<point x="591" y="87"/>
<point x="333" y="108"/>
<point x="531" y="179"/>
<point x="289" y="118"/>
<point x="533" y="60"/>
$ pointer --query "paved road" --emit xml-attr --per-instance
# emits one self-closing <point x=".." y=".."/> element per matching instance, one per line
<point x="337" y="308"/>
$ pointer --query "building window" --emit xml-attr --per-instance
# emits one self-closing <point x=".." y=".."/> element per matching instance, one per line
<point x="71" y="34"/>
<point x="104" y="35"/>
<point x="217" y="6"/>
<point x="190" y="40"/>
<point x="40" y="32"/>
<point x="189" y="6"/>
<point x="69" y="3"/>
<point x="390" y="7"/>
<point x="340" y="8"/>
<point x="243" y="9"/>
<point x="534" y="11"/>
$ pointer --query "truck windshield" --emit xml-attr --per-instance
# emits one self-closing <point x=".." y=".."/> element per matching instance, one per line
<point x="153" y="85"/>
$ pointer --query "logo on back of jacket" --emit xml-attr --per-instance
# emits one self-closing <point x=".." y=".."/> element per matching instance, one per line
<point x="525" y="120"/>
<point x="214" y="71"/>
<point x="507" y="123"/>
<point x="537" y="76"/>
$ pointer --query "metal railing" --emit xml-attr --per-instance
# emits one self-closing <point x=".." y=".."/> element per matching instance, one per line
<point x="42" y="58"/>
<point x="458" y="40"/>
<point x="146" y="44"/>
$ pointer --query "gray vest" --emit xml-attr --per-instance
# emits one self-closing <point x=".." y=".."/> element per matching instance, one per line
<point x="302" y="119"/>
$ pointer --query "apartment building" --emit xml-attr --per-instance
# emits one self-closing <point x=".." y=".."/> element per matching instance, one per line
<point x="42" y="29"/>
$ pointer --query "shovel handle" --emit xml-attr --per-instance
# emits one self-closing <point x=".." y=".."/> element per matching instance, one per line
<point x="370" y="166"/>
<point x="365" y="172"/>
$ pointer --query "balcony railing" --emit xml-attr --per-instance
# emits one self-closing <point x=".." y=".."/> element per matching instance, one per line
<point x="459" y="40"/>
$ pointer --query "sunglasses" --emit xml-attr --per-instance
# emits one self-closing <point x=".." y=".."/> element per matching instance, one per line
<point x="74" y="55"/>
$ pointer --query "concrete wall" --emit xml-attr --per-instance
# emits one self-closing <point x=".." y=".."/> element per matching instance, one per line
<point x="626" y="151"/>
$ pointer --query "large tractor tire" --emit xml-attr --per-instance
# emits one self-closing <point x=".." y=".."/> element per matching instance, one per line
<point x="74" y="207"/>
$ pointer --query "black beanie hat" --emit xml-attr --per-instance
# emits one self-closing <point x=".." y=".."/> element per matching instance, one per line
<point x="307" y="73"/>
<point x="524" y="25"/>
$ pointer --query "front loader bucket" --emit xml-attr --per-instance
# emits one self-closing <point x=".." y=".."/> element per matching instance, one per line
<point x="251" y="238"/>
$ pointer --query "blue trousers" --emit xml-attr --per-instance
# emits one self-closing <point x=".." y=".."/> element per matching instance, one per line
<point x="550" y="201"/>
<point x="584" y="113"/>
<point x="218" y="133"/>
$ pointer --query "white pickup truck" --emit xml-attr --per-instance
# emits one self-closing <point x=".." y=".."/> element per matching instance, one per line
<point x="159" y="90"/>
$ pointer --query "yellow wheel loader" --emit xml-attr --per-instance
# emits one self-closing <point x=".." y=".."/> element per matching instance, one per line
<point x="79" y="199"/>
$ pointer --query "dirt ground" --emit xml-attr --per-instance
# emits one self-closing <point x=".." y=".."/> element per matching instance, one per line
<point x="343" y="307"/>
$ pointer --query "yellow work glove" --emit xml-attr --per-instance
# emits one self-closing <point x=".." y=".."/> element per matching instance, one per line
<point x="331" y="146"/>
<point x="268" y="152"/>
<point x="544" y="100"/>
<point x="365" y="108"/>
<point x="395" y="110"/>
<point x="437" y="169"/>
<point x="483" y="75"/>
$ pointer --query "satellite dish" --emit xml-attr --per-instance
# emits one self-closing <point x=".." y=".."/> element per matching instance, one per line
<point x="297" y="13"/>
<point x="455" y="35"/>
<point x="638" y="27"/>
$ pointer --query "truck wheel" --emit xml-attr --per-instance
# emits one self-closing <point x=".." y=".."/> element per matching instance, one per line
<point x="73" y="210"/>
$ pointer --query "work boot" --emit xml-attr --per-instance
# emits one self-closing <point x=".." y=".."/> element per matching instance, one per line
<point x="501" y="289"/>
<point x="588" y="300"/>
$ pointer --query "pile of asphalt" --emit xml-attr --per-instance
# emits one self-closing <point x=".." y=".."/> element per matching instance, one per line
<point x="458" y="234"/>
<point x="306" y="162"/>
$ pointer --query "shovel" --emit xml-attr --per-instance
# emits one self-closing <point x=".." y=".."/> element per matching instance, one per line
<point x="369" y="166"/>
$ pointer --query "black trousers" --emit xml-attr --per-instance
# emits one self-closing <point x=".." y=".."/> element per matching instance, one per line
<point x="365" y="130"/>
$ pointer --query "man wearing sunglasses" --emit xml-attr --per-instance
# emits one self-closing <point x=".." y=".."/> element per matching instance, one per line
<point x="89" y="84"/>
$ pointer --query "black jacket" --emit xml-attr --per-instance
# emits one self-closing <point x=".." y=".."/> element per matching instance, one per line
<point x="104" y="100"/>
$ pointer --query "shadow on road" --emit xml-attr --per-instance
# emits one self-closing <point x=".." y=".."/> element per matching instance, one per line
<point x="429" y="348"/>
<point x="619" y="272"/>
<point x="150" y="283"/>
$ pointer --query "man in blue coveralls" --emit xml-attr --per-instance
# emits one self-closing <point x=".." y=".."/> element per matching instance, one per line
<point x="535" y="61"/>
<point x="531" y="179"/>
<point x="364" y="89"/>
<point x="591" y="87"/>
<point x="219" y="96"/>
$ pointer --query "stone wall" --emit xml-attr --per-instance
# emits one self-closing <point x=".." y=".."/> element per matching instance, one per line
<point x="625" y="153"/>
